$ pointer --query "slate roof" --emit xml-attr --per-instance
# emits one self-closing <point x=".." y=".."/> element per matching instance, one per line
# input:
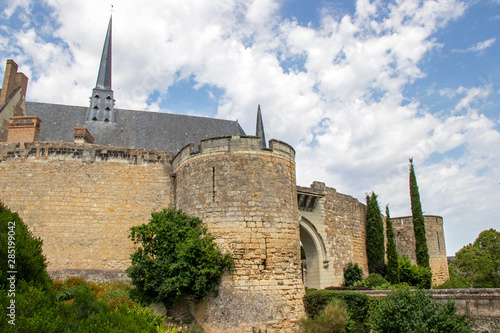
<point x="132" y="129"/>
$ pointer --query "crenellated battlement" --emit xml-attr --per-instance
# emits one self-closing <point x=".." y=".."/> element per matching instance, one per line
<point x="233" y="145"/>
<point x="89" y="153"/>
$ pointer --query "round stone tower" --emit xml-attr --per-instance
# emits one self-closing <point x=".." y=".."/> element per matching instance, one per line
<point x="246" y="196"/>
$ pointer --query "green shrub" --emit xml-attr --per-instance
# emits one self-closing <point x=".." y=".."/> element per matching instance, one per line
<point x="417" y="276"/>
<point x="398" y="286"/>
<point x="404" y="311"/>
<point x="176" y="256"/>
<point x="57" y="285"/>
<point x="334" y="318"/>
<point x="73" y="281"/>
<point x="352" y="274"/>
<point x="22" y="250"/>
<point x="65" y="294"/>
<point x="372" y="281"/>
<point x="357" y="306"/>
<point x="35" y="310"/>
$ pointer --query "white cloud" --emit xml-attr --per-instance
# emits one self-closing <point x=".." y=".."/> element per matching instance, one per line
<point x="480" y="46"/>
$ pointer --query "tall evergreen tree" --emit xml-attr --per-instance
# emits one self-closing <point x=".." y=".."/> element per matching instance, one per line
<point x="422" y="251"/>
<point x="392" y="255"/>
<point x="375" y="248"/>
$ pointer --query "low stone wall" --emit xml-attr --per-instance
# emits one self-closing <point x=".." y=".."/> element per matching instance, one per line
<point x="481" y="305"/>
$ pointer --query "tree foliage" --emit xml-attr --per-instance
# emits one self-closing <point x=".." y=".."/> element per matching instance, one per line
<point x="414" y="275"/>
<point x="392" y="255"/>
<point x="478" y="264"/>
<point x="421" y="249"/>
<point x="334" y="318"/>
<point x="405" y="311"/>
<point x="21" y="249"/>
<point x="375" y="248"/>
<point x="352" y="274"/>
<point x="176" y="256"/>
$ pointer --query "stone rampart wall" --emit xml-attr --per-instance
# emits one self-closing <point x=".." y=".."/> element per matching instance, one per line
<point x="246" y="195"/>
<point x="81" y="199"/>
<point x="345" y="218"/>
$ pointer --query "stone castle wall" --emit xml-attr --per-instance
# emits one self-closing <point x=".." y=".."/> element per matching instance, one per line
<point x="82" y="199"/>
<point x="339" y="220"/>
<point x="340" y="223"/>
<point x="434" y="231"/>
<point x="345" y="218"/>
<point x="246" y="195"/>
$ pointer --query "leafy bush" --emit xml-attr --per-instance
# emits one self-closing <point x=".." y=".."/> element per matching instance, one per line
<point x="73" y="281"/>
<point x="372" y="281"/>
<point x="35" y="310"/>
<point x="352" y="274"/>
<point x="403" y="311"/>
<point x="334" y="318"/>
<point x="357" y="304"/>
<point x="80" y="310"/>
<point x="24" y="250"/>
<point x="176" y="256"/>
<point x="417" y="276"/>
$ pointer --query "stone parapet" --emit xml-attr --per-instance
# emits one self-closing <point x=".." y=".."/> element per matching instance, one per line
<point x="233" y="145"/>
<point x="71" y="151"/>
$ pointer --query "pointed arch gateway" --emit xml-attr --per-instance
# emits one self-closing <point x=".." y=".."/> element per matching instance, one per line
<point x="316" y="255"/>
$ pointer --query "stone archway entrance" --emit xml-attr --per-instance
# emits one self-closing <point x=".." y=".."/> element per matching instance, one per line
<point x="315" y="251"/>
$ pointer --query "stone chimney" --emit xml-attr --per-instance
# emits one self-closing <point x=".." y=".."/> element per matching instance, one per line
<point x="82" y="135"/>
<point x="24" y="129"/>
<point x="12" y="79"/>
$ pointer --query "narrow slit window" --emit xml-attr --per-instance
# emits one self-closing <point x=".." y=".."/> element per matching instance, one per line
<point x="213" y="184"/>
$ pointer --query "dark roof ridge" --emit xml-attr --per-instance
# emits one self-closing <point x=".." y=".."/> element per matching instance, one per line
<point x="131" y="110"/>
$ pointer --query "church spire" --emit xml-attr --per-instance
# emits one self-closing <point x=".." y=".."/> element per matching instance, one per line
<point x="259" y="131"/>
<point x="102" y="102"/>
<point x="104" y="76"/>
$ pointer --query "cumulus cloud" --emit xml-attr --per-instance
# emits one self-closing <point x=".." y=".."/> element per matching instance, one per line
<point x="335" y="91"/>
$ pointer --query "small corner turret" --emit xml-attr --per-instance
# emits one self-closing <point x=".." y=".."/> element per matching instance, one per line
<point x="102" y="102"/>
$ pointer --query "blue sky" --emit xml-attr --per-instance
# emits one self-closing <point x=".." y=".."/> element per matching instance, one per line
<point x="357" y="87"/>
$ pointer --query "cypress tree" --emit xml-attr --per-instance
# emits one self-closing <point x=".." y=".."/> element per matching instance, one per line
<point x="421" y="249"/>
<point x="375" y="248"/>
<point x="392" y="255"/>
